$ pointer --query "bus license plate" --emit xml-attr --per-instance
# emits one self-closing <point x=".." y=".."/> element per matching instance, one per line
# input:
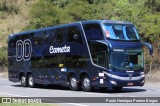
<point x="130" y="83"/>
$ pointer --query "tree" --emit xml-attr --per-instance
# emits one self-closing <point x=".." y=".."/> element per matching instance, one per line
<point x="143" y="13"/>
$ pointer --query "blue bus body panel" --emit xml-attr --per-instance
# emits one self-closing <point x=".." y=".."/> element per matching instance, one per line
<point x="125" y="45"/>
<point x="58" y="75"/>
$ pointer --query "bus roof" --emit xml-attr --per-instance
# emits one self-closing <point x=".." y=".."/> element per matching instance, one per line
<point x="64" y="25"/>
<point x="106" y="21"/>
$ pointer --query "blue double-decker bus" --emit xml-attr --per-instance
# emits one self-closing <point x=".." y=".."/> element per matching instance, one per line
<point x="83" y="55"/>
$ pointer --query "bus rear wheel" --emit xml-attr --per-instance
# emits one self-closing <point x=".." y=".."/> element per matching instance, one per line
<point x="31" y="82"/>
<point x="23" y="81"/>
<point x="86" y="84"/>
<point x="73" y="83"/>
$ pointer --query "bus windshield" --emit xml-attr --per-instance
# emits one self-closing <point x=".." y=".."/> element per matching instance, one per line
<point x="127" y="59"/>
<point x="121" y="32"/>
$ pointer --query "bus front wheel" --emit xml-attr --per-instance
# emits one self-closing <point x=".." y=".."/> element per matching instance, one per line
<point x="86" y="84"/>
<point x="23" y="81"/>
<point x="73" y="83"/>
<point x="31" y="82"/>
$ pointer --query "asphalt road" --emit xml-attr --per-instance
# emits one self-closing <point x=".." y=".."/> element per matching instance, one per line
<point x="10" y="89"/>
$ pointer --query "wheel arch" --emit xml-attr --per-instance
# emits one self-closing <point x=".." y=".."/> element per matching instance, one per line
<point x="69" y="74"/>
<point x="82" y="74"/>
<point x="28" y="73"/>
<point x="20" y="75"/>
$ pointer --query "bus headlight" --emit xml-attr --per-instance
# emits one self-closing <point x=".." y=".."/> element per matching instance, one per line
<point x="142" y="81"/>
<point x="113" y="82"/>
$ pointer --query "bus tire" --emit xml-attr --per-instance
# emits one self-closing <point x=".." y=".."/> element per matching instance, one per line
<point x="31" y="82"/>
<point x="73" y="83"/>
<point x="86" y="84"/>
<point x="23" y="81"/>
<point x="117" y="88"/>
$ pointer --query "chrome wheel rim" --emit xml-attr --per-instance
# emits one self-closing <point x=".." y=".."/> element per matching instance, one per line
<point x="73" y="82"/>
<point x="86" y="83"/>
<point x="30" y="81"/>
<point x="23" y="80"/>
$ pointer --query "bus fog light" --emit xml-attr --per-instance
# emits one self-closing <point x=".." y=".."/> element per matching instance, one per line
<point x="113" y="82"/>
<point x="142" y="81"/>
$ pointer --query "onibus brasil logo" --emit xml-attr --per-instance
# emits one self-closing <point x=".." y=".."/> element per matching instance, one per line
<point x="64" y="49"/>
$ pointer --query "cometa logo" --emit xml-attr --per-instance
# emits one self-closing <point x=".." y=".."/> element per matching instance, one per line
<point x="64" y="49"/>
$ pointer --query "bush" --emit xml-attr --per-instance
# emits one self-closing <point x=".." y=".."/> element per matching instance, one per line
<point x="9" y="6"/>
<point x="3" y="56"/>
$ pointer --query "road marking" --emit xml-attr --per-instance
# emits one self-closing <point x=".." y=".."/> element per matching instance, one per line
<point x="132" y="96"/>
<point x="12" y="95"/>
<point x="96" y="93"/>
<point x="118" y="95"/>
<point x="76" y="104"/>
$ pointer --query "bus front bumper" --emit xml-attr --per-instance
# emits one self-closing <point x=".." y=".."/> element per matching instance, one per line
<point x="111" y="80"/>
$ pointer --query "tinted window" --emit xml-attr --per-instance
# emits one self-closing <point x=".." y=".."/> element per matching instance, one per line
<point x="58" y="61"/>
<point x="130" y="32"/>
<point x="41" y="38"/>
<point x="47" y="61"/>
<point x="12" y="43"/>
<point x="121" y="32"/>
<point x="99" y="54"/>
<point x="73" y="34"/>
<point x="51" y="33"/>
<point x="118" y="30"/>
<point x="59" y="35"/>
<point x="73" y="61"/>
<point x="93" y="32"/>
<point x="127" y="60"/>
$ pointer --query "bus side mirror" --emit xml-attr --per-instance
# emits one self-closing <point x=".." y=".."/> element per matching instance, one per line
<point x="149" y="46"/>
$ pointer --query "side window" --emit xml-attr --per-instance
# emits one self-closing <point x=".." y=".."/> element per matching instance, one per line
<point x="73" y="61"/>
<point x="73" y="34"/>
<point x="11" y="46"/>
<point x="41" y="38"/>
<point x="101" y="58"/>
<point x="131" y="33"/>
<point x="54" y="61"/>
<point x="59" y="35"/>
<point x="99" y="54"/>
<point x="93" y="32"/>
<point x="51" y="37"/>
<point x="12" y="43"/>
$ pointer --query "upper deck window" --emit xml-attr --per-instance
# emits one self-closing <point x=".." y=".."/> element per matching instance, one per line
<point x="73" y="34"/>
<point x="93" y="32"/>
<point x="121" y="32"/>
<point x="40" y="38"/>
<point x="59" y="35"/>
